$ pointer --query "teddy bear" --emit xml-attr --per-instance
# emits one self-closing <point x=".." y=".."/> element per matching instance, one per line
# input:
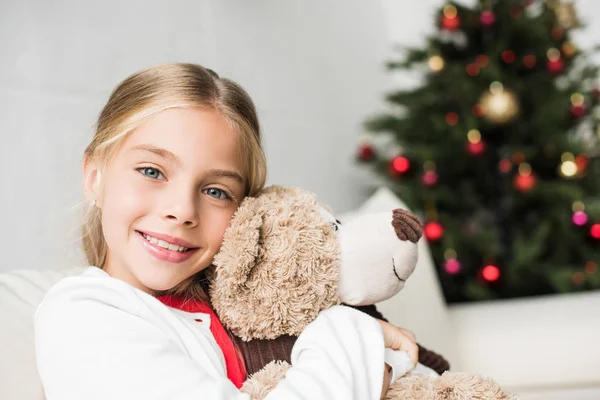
<point x="286" y="257"/>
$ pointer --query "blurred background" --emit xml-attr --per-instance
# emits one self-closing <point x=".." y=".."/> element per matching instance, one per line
<point x="480" y="116"/>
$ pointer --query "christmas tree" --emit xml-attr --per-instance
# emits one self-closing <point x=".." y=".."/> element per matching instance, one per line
<point x="498" y="150"/>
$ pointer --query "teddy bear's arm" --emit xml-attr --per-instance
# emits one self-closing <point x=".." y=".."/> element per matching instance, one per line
<point x="426" y="357"/>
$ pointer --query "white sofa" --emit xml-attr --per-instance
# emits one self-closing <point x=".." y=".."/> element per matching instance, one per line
<point x="543" y="348"/>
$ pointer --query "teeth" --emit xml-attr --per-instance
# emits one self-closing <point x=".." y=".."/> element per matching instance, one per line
<point x="164" y="244"/>
<point x="173" y="247"/>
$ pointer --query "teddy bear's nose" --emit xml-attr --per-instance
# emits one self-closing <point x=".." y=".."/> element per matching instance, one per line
<point x="407" y="225"/>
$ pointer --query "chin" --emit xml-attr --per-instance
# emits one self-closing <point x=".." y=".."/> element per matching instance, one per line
<point x="159" y="281"/>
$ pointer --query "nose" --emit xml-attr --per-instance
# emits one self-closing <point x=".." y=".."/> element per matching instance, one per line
<point x="182" y="210"/>
<point x="407" y="225"/>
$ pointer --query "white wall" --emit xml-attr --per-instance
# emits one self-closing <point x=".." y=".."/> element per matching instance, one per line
<point x="314" y="68"/>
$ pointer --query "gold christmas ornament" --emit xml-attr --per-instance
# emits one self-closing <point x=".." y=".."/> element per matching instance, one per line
<point x="500" y="105"/>
<point x="436" y="63"/>
<point x="565" y="13"/>
<point x="568" y="49"/>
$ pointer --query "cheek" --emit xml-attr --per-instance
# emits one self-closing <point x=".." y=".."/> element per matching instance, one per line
<point x="215" y="223"/>
<point x="124" y="200"/>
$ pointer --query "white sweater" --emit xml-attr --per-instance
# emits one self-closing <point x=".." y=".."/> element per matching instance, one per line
<point x="99" y="338"/>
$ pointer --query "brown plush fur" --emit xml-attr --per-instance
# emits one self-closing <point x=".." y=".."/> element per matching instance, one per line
<point x="284" y="269"/>
<point x="262" y="382"/>
<point x="258" y="295"/>
<point x="450" y="386"/>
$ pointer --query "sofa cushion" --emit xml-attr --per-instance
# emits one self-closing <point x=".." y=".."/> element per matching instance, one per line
<point x="21" y="292"/>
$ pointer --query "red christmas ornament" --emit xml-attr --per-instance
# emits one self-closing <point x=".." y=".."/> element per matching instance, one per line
<point x="366" y="152"/>
<point x="452" y="266"/>
<point x="400" y="165"/>
<point x="595" y="231"/>
<point x="580" y="218"/>
<point x="450" y="24"/>
<point x="515" y="11"/>
<point x="452" y="118"/>
<point x="433" y="231"/>
<point x="529" y="61"/>
<point x="482" y="60"/>
<point x="557" y="33"/>
<point x="487" y="18"/>
<point x="508" y="56"/>
<point x="555" y="66"/>
<point x="582" y="161"/>
<point x="524" y="183"/>
<point x="476" y="149"/>
<point x="578" y="278"/>
<point x="478" y="110"/>
<point x="490" y="273"/>
<point x="505" y="166"/>
<point x="430" y="178"/>
<point x="472" y="69"/>
<point x="577" y="111"/>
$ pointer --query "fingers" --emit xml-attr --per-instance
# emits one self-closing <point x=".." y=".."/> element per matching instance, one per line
<point x="400" y="339"/>
<point x="412" y="349"/>
<point x="386" y="380"/>
<point x="408" y="333"/>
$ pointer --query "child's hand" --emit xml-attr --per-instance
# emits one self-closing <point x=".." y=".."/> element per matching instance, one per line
<point x="386" y="380"/>
<point x="400" y="339"/>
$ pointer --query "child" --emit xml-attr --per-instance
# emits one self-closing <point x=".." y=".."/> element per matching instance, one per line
<point x="176" y="150"/>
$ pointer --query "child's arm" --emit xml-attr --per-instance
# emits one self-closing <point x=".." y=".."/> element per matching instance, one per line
<point x="94" y="347"/>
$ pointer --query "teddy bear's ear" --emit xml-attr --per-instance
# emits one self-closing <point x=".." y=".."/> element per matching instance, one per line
<point x="239" y="250"/>
<point x="278" y="265"/>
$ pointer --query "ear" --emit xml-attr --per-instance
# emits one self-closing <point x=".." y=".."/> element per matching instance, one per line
<point x="91" y="180"/>
<point x="236" y="258"/>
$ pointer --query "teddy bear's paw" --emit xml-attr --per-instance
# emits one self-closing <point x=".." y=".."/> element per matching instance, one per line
<point x="411" y="387"/>
<point x="263" y="381"/>
<point x="463" y="386"/>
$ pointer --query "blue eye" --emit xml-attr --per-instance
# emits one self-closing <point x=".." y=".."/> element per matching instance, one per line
<point x="150" y="172"/>
<point x="217" y="193"/>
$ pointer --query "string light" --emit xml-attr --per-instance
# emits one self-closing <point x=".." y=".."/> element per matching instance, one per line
<point x="568" y="168"/>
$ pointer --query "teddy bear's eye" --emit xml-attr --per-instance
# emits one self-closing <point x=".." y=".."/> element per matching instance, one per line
<point x="335" y="226"/>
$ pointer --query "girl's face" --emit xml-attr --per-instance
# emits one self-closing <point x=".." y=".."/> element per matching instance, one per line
<point x="169" y="194"/>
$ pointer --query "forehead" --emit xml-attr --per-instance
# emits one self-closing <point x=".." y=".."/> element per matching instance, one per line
<point x="199" y="138"/>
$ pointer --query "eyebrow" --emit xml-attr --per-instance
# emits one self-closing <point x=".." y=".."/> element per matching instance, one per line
<point x="171" y="156"/>
<point x="158" y="151"/>
<point x="226" y="173"/>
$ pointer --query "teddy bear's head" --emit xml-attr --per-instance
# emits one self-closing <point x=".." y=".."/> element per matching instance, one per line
<point x="285" y="257"/>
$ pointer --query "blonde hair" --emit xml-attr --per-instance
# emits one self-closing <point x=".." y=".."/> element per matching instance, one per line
<point x="151" y="91"/>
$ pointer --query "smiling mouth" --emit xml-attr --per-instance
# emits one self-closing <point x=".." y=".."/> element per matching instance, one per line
<point x="164" y="244"/>
<point x="396" y="273"/>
